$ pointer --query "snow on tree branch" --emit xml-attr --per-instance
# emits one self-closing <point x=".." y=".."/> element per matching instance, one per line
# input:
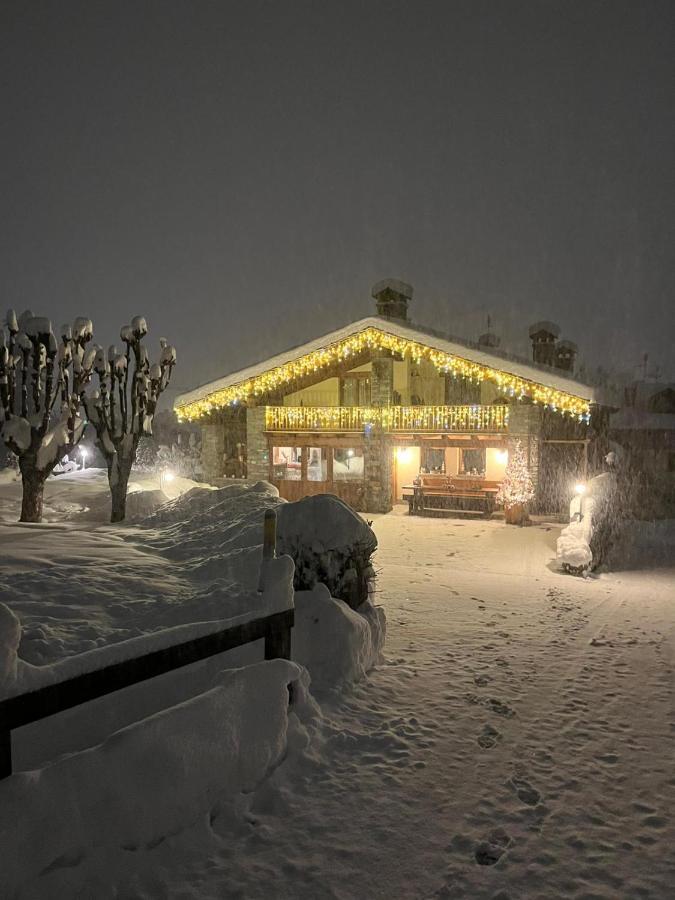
<point x="122" y="408"/>
<point x="42" y="385"/>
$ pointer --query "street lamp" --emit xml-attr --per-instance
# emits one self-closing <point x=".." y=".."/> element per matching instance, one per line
<point x="83" y="456"/>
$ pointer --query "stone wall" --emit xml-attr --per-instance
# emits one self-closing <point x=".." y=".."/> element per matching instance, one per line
<point x="525" y="424"/>
<point x="213" y="448"/>
<point x="377" y="464"/>
<point x="382" y="381"/>
<point x="258" y="466"/>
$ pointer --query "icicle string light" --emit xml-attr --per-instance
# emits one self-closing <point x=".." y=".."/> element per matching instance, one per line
<point x="391" y="418"/>
<point x="280" y="377"/>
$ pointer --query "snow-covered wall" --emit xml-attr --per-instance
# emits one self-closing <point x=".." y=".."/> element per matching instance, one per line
<point x="153" y="778"/>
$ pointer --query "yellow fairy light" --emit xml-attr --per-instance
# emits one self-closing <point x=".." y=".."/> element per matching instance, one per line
<point x="374" y="339"/>
<point x="392" y="418"/>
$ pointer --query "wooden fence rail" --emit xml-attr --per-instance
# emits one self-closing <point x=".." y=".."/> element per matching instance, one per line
<point x="55" y="698"/>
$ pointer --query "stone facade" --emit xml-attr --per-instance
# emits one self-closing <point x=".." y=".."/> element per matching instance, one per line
<point x="258" y="465"/>
<point x="213" y="448"/>
<point x="382" y="381"/>
<point x="525" y="424"/>
<point x="377" y="464"/>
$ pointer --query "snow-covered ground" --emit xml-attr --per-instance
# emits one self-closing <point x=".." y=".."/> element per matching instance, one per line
<point x="517" y="743"/>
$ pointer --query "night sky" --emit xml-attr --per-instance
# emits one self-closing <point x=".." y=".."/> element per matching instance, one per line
<point x="241" y="173"/>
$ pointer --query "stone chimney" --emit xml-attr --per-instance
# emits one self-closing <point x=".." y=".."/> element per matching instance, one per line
<point x="565" y="355"/>
<point x="489" y="340"/>
<point x="543" y="336"/>
<point x="391" y="298"/>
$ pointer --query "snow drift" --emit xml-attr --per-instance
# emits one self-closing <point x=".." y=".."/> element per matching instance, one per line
<point x="155" y="777"/>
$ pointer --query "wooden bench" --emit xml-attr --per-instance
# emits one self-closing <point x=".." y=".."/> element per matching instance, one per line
<point x="451" y="494"/>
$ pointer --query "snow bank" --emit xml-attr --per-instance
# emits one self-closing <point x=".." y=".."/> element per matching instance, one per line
<point x="155" y="777"/>
<point x="338" y="645"/>
<point x="83" y="592"/>
<point x="20" y="677"/>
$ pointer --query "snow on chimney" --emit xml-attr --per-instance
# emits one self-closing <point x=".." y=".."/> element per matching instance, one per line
<point x="543" y="336"/>
<point x="391" y="298"/>
<point x="565" y="354"/>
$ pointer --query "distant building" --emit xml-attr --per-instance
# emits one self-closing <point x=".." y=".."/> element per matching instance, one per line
<point x="361" y="411"/>
<point x="645" y="427"/>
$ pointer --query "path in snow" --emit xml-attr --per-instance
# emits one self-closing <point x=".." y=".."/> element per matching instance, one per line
<point x="517" y="744"/>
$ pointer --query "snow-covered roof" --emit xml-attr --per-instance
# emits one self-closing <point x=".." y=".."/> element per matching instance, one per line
<point x="631" y="418"/>
<point x="541" y="375"/>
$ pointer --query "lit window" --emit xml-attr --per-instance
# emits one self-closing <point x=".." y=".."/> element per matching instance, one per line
<point x="317" y="464"/>
<point x="472" y="462"/>
<point x="347" y="464"/>
<point x="287" y="463"/>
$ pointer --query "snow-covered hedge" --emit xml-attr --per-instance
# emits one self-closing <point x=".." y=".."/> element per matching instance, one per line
<point x="330" y="544"/>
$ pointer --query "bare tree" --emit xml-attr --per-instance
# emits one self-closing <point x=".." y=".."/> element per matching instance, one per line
<point x="42" y="384"/>
<point x="122" y="409"/>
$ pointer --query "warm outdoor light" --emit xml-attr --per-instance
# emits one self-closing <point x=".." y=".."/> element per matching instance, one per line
<point x="580" y="488"/>
<point x="502" y="456"/>
<point x="83" y="456"/>
<point x="403" y="454"/>
<point x="374" y="339"/>
<point x="166" y="476"/>
<point x="350" y="453"/>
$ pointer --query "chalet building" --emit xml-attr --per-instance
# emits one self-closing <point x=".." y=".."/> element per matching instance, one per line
<point x="360" y="412"/>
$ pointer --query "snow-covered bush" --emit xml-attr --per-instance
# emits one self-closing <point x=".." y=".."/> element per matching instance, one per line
<point x="183" y="459"/>
<point x="337" y="645"/>
<point x="42" y="383"/>
<point x="146" y="454"/>
<point x="122" y="409"/>
<point x="330" y="544"/>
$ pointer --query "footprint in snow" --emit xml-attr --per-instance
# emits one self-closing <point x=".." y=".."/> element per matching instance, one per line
<point x="488" y="737"/>
<point x="481" y="680"/>
<point x="526" y="793"/>
<point x="490" y="851"/>
<point x="491" y="703"/>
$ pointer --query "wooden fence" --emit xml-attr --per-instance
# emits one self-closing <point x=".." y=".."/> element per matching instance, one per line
<point x="32" y="706"/>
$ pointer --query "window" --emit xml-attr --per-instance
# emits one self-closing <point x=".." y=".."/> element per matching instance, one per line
<point x="317" y="464"/>
<point x="287" y="463"/>
<point x="355" y="390"/>
<point x="433" y="460"/>
<point x="347" y="464"/>
<point x="472" y="462"/>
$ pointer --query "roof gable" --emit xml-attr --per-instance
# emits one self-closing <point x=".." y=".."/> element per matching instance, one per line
<point x="515" y="377"/>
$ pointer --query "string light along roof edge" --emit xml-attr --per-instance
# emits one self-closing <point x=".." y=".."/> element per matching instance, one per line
<point x="516" y="377"/>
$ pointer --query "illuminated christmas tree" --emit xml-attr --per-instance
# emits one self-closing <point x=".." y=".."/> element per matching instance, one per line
<point x="516" y="490"/>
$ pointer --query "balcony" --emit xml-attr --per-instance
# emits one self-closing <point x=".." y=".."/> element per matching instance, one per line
<point x="393" y="419"/>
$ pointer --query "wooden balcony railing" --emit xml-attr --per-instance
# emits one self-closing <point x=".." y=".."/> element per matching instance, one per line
<point x="391" y="418"/>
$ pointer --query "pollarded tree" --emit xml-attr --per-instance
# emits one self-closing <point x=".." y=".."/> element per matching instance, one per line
<point x="42" y="383"/>
<point x="121" y="410"/>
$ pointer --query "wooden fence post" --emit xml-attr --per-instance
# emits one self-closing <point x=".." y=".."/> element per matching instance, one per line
<point x="278" y="643"/>
<point x="6" y="748"/>
<point x="269" y="544"/>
